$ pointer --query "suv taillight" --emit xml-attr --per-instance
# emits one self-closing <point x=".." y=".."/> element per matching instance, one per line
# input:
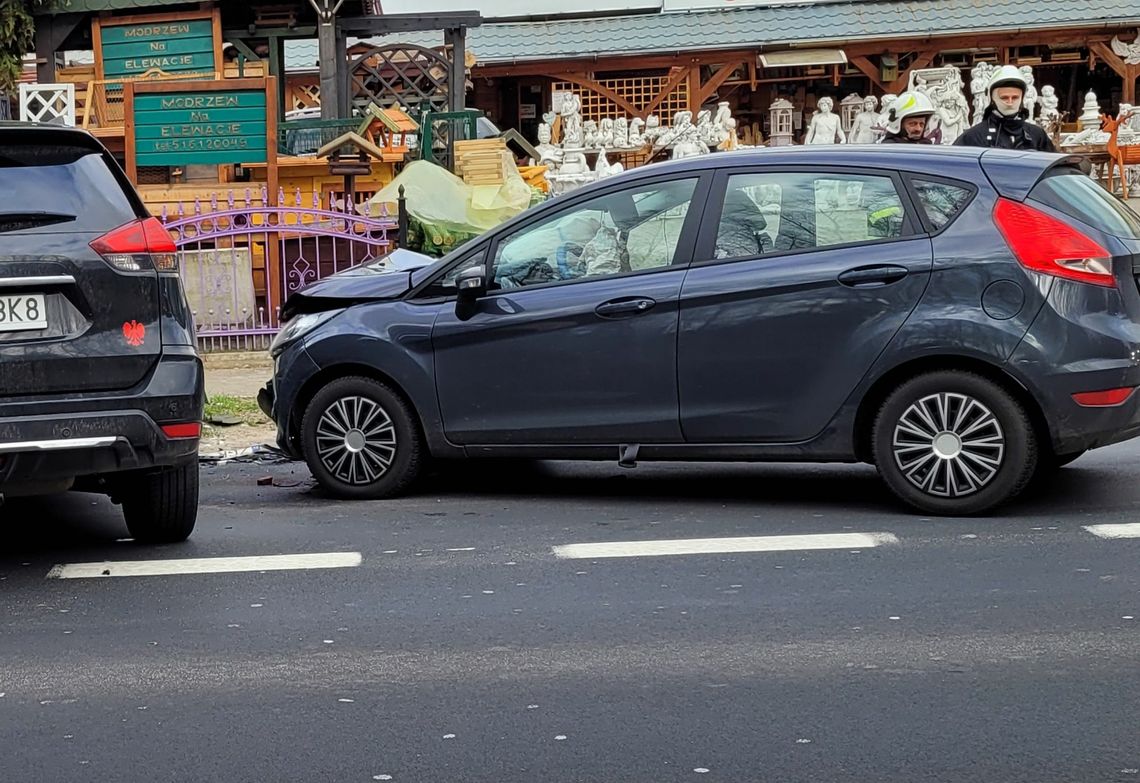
<point x="139" y="246"/>
<point x="1045" y="244"/>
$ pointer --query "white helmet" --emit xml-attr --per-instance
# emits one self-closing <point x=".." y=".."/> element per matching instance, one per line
<point x="1007" y="76"/>
<point x="909" y="104"/>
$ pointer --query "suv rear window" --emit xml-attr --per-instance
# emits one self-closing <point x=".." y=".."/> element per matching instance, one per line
<point x="1073" y="193"/>
<point x="59" y="187"/>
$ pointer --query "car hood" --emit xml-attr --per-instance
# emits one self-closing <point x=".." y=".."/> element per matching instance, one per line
<point x="386" y="278"/>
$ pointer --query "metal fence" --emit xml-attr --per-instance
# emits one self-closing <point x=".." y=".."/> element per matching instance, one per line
<point x="241" y="257"/>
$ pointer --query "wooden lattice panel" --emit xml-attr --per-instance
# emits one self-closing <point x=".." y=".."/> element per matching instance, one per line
<point x="303" y="95"/>
<point x="638" y="91"/>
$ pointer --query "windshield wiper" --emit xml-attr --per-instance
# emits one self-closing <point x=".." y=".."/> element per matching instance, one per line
<point x="20" y="221"/>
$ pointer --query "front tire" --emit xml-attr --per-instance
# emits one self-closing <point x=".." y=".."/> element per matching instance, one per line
<point x="954" y="443"/>
<point x="161" y="507"/>
<point x="361" y="440"/>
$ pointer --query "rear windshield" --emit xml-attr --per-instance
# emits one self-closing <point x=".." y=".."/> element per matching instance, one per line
<point x="59" y="188"/>
<point x="1079" y="197"/>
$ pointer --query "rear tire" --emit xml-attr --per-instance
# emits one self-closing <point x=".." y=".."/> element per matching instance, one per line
<point x="954" y="443"/>
<point x="161" y="507"/>
<point x="361" y="440"/>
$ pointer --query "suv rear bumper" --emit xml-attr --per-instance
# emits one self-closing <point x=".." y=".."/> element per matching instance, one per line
<point x="45" y="440"/>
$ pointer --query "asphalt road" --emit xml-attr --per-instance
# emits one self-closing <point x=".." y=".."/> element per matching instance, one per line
<point x="461" y="648"/>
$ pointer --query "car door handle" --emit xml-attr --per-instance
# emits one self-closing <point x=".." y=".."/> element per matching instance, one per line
<point x="873" y="275"/>
<point x="622" y="308"/>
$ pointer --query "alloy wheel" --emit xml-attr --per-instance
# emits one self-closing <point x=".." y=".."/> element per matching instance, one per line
<point x="948" y="445"/>
<point x="356" y="440"/>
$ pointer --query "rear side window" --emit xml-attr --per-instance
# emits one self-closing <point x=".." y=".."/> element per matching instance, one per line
<point x="58" y="188"/>
<point x="777" y="212"/>
<point x="941" y="201"/>
<point x="1073" y="193"/>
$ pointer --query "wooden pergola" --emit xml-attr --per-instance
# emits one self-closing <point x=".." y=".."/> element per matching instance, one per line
<point x="704" y="72"/>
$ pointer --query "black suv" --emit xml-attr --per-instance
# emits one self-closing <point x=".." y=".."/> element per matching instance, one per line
<point x="101" y="387"/>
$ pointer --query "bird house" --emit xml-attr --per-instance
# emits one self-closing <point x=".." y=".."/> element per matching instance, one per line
<point x="780" y="114"/>
<point x="849" y="108"/>
<point x="391" y="130"/>
<point x="350" y="155"/>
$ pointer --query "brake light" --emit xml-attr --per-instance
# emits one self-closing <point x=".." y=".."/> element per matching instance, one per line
<point x="191" y="429"/>
<point x="139" y="246"/>
<point x="1104" y="399"/>
<point x="1045" y="244"/>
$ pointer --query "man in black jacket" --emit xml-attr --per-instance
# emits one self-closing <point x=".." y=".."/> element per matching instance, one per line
<point x="1003" y="124"/>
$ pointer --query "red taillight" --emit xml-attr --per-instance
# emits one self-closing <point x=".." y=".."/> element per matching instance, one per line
<point x="138" y="246"/>
<point x="188" y="430"/>
<point x="1104" y="399"/>
<point x="1045" y="244"/>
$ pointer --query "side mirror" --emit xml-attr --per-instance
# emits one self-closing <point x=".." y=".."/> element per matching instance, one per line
<point x="471" y="283"/>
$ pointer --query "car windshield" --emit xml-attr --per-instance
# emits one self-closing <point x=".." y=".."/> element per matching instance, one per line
<point x="1079" y="197"/>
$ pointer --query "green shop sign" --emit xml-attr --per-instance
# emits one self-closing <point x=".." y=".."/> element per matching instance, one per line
<point x="200" y="127"/>
<point x="171" y="46"/>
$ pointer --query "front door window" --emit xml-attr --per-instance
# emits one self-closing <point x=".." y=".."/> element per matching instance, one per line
<point x="629" y="231"/>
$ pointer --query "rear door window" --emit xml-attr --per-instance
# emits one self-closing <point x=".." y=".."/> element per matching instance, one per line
<point x="771" y="213"/>
<point x="54" y="188"/>
<point x="1076" y="195"/>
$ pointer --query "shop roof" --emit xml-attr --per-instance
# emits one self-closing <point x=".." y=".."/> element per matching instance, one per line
<point x="765" y="26"/>
<point x="87" y="6"/>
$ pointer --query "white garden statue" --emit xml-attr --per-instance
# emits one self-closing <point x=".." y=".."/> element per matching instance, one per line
<point x="636" y="128"/>
<point x="884" y="115"/>
<point x="951" y="116"/>
<point x="825" y="127"/>
<point x="1050" y="111"/>
<point x="1030" y="99"/>
<point x="863" y="127"/>
<point x="590" y="136"/>
<point x="606" y="133"/>
<point x="1090" y="115"/>
<point x="571" y="112"/>
<point x="621" y="133"/>
<point x="979" y="88"/>
<point x="546" y="150"/>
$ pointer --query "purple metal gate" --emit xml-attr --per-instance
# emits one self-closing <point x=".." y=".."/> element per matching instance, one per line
<point x="240" y="259"/>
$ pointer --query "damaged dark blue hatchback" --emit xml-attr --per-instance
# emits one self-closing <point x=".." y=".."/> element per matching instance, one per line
<point x="961" y="318"/>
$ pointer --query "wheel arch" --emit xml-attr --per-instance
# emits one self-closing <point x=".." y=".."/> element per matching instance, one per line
<point x="327" y="375"/>
<point x="877" y="394"/>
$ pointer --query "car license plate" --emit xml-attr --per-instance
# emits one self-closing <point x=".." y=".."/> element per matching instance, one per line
<point x="20" y="312"/>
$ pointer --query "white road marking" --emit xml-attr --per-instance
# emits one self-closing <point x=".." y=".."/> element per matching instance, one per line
<point x="709" y="546"/>
<point x="205" y="565"/>
<point x="1126" y="530"/>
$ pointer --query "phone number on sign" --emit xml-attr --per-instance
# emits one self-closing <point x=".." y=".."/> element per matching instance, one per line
<point x="200" y="145"/>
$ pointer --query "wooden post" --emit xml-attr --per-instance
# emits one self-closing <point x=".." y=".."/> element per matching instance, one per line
<point x="274" y="274"/>
<point x="695" y="88"/>
<point x="330" y="69"/>
<point x="456" y="38"/>
<point x="344" y="95"/>
<point x="129" y="132"/>
<point x="401" y="219"/>
<point x="219" y="50"/>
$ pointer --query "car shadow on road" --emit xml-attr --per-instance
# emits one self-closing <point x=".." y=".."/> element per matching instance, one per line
<point x="73" y="523"/>
<point x="853" y="488"/>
